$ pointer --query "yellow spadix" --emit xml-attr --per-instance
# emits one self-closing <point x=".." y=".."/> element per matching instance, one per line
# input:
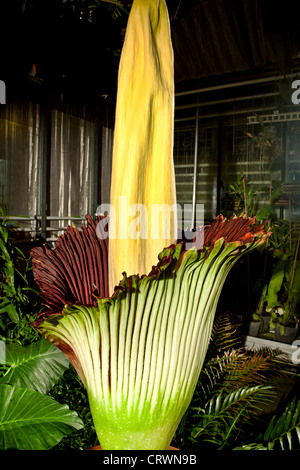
<point x="143" y="180"/>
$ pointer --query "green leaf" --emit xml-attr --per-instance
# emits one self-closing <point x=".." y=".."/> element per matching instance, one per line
<point x="10" y="309"/>
<point x="285" y="428"/>
<point x="4" y="250"/>
<point x="224" y="413"/>
<point x="9" y="272"/>
<point x="264" y="213"/>
<point x="257" y="317"/>
<point x="37" y="366"/>
<point x="30" y="420"/>
<point x="275" y="283"/>
<point x="4" y="233"/>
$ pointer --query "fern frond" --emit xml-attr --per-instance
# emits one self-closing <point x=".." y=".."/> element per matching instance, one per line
<point x="234" y="369"/>
<point x="245" y="368"/>
<point x="225" y="334"/>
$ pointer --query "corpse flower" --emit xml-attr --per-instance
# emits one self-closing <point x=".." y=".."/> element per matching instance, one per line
<point x="139" y="352"/>
<point x="139" y="347"/>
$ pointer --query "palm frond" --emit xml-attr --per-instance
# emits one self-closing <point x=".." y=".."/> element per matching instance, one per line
<point x="223" y="414"/>
<point x="232" y="390"/>
<point x="285" y="429"/>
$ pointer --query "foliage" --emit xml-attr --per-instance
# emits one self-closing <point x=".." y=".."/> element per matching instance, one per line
<point x="243" y="192"/>
<point x="230" y="389"/>
<point x="227" y="409"/>
<point x="19" y="300"/>
<point x="282" y="427"/>
<point x="29" y="365"/>
<point x="133" y="321"/>
<point x="32" y="420"/>
<point x="283" y="431"/>
<point x="248" y="198"/>
<point x="233" y="386"/>
<point x="86" y="8"/>
<point x="70" y="390"/>
<point x="37" y="366"/>
<point x="223" y="414"/>
<point x="115" y="7"/>
<point x="282" y="295"/>
<point x="278" y="290"/>
<point x="267" y="141"/>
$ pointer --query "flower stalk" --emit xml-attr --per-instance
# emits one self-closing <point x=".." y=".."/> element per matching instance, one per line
<point x="142" y="168"/>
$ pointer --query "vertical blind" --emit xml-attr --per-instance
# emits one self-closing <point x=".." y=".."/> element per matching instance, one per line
<point x="19" y="158"/>
<point x="59" y="157"/>
<point x="72" y="166"/>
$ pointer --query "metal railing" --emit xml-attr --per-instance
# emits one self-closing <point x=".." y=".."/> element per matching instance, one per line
<point x="29" y="229"/>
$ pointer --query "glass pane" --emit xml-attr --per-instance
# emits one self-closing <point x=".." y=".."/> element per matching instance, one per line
<point x="206" y="177"/>
<point x="72" y="169"/>
<point x="251" y="166"/>
<point x="19" y="158"/>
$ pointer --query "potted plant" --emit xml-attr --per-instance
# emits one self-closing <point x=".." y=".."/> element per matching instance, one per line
<point x="283" y="294"/>
<point x="29" y="365"/>
<point x="285" y="323"/>
<point x="261" y="317"/>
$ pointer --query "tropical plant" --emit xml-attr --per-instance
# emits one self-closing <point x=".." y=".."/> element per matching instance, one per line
<point x="278" y="292"/>
<point x="70" y="391"/>
<point x="114" y="7"/>
<point x="249" y="200"/>
<point x="247" y="197"/>
<point x="282" y="432"/>
<point x="29" y="417"/>
<point x="267" y="141"/>
<point x="137" y="339"/>
<point x="234" y="386"/>
<point x="139" y="352"/>
<point x="19" y="300"/>
<point x="29" y="365"/>
<point x="282" y="296"/>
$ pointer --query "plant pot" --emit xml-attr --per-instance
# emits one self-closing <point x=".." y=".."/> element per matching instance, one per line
<point x="254" y="327"/>
<point x="100" y="448"/>
<point x="288" y="336"/>
<point x="266" y="320"/>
